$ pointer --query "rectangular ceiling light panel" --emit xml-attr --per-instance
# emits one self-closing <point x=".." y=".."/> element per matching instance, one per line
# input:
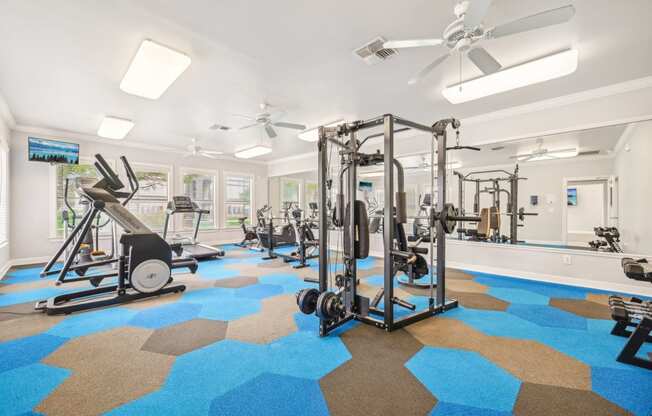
<point x="115" y="128"/>
<point x="154" y="68"/>
<point x="312" y="135"/>
<point x="532" y="72"/>
<point x="253" y="152"/>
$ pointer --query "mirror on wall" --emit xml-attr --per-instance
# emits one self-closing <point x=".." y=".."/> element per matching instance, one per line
<point x="584" y="190"/>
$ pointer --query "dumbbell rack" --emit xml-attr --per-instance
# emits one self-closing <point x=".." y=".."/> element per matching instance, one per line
<point x="637" y="314"/>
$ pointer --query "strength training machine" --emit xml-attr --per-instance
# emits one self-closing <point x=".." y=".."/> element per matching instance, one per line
<point x="489" y="226"/>
<point x="341" y="304"/>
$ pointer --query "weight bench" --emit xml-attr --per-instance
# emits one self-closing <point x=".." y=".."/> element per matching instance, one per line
<point x="633" y="313"/>
<point x="489" y="220"/>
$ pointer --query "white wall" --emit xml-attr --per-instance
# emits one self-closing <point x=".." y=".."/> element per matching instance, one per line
<point x="32" y="208"/>
<point x="5" y="248"/>
<point x="634" y="171"/>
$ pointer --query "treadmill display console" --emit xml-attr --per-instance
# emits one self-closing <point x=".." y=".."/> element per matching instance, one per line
<point x="182" y="204"/>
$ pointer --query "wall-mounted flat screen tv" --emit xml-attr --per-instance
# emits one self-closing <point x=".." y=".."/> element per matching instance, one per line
<point x="52" y="151"/>
<point x="365" y="186"/>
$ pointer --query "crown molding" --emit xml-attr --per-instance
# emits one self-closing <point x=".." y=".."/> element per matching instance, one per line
<point x="563" y="100"/>
<point x="67" y="134"/>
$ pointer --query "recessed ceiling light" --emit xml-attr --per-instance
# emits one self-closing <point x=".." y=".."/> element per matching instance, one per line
<point x="312" y="135"/>
<point x="115" y="128"/>
<point x="154" y="68"/>
<point x="253" y="152"/>
<point x="532" y="72"/>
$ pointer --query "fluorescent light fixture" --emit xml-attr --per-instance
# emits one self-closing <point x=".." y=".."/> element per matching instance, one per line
<point x="154" y="68"/>
<point x="449" y="165"/>
<point x="253" y="152"/>
<point x="312" y="135"/>
<point x="552" y="155"/>
<point x="532" y="72"/>
<point x="115" y="128"/>
<point x="376" y="174"/>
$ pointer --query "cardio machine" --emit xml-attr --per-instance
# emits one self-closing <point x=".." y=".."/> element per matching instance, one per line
<point x="190" y="247"/>
<point x="143" y="267"/>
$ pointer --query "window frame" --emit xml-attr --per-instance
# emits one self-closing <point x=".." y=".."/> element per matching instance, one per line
<point x="177" y="223"/>
<point x="52" y="200"/>
<point x="252" y="197"/>
<point x="169" y="169"/>
<point x="282" y="183"/>
<point x="305" y="185"/>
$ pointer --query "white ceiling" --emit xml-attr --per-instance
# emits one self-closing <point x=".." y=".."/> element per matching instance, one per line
<point x="60" y="67"/>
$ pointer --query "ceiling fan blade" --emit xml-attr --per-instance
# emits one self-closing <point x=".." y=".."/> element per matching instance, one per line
<point x="294" y="126"/>
<point x="248" y="126"/>
<point x="483" y="60"/>
<point x="208" y="155"/>
<point x="535" y="21"/>
<point x="212" y="152"/>
<point x="246" y="117"/>
<point x="475" y="13"/>
<point x="425" y="71"/>
<point x="270" y="131"/>
<point x="411" y="43"/>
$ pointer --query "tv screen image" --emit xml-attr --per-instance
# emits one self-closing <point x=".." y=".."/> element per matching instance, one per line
<point x="572" y="197"/>
<point x="364" y="186"/>
<point x="52" y="151"/>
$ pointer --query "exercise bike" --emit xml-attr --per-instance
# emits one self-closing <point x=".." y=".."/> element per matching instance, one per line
<point x="250" y="239"/>
<point x="307" y="245"/>
<point x="267" y="232"/>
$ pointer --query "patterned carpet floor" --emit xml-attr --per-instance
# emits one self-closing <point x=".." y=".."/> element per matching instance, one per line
<point x="234" y="343"/>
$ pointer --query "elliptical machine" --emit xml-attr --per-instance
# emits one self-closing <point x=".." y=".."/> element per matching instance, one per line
<point x="143" y="267"/>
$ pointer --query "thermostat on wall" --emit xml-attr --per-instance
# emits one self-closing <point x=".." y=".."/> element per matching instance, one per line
<point x="534" y="200"/>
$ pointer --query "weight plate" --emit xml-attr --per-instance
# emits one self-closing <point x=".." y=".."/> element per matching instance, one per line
<point x="325" y="305"/>
<point x="150" y="276"/>
<point x="446" y="218"/>
<point x="307" y="300"/>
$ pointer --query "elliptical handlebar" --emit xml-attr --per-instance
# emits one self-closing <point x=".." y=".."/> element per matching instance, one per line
<point x="109" y="175"/>
<point x="134" y="185"/>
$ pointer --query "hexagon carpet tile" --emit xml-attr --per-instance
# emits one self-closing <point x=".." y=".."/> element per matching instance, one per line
<point x="234" y="343"/>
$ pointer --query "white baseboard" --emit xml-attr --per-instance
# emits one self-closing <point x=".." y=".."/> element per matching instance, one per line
<point x="549" y="278"/>
<point x="542" y="277"/>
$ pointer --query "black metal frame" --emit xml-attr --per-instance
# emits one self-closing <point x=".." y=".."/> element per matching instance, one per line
<point x="357" y="307"/>
<point x="512" y="194"/>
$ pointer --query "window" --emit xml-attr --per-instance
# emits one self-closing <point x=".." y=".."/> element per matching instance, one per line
<point x="4" y="194"/>
<point x="77" y="176"/>
<point x="290" y="191"/>
<point x="311" y="193"/>
<point x="200" y="187"/>
<point x="151" y="200"/>
<point x="237" y="199"/>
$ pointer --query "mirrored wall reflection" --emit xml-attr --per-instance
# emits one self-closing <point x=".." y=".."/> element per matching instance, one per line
<point x="583" y="190"/>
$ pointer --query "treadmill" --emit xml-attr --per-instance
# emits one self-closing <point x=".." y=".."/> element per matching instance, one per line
<point x="191" y="247"/>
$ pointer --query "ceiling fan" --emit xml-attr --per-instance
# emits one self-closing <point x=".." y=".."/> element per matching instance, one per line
<point x="468" y="29"/>
<point x="195" y="150"/>
<point x="268" y="120"/>
<point x="541" y="153"/>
